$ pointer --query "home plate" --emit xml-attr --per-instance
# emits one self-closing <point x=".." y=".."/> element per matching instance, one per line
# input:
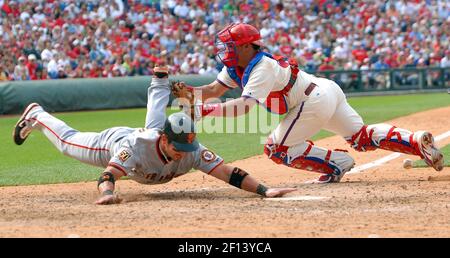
<point x="298" y="198"/>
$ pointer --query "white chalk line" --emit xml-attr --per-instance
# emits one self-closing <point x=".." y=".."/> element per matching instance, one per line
<point x="290" y="198"/>
<point x="442" y="136"/>
<point x="389" y="157"/>
<point x="298" y="198"/>
<point x="375" y="163"/>
<point x="203" y="189"/>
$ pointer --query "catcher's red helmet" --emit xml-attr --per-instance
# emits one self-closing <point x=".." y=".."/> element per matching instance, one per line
<point x="240" y="34"/>
<point x="235" y="34"/>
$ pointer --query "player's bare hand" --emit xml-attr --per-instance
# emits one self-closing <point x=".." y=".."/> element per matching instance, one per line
<point x="108" y="199"/>
<point x="278" y="192"/>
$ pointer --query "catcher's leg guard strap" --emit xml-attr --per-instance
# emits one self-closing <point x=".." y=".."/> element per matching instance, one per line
<point x="362" y="140"/>
<point x="395" y="142"/>
<point x="309" y="157"/>
<point x="386" y="137"/>
<point x="275" y="152"/>
<point x="322" y="160"/>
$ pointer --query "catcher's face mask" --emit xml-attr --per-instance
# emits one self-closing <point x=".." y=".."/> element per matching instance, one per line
<point x="235" y="34"/>
<point x="226" y="52"/>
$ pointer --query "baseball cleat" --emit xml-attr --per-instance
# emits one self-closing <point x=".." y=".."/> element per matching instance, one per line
<point x="161" y="71"/>
<point x="330" y="178"/>
<point x="431" y="154"/>
<point x="22" y="128"/>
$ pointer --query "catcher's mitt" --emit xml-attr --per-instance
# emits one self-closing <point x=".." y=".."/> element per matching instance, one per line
<point x="182" y="91"/>
<point x="185" y="97"/>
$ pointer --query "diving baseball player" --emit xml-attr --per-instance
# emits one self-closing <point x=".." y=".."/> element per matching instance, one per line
<point x="164" y="149"/>
<point x="310" y="104"/>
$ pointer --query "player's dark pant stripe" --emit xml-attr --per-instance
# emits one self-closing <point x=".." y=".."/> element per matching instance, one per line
<point x="66" y="142"/>
<point x="292" y="124"/>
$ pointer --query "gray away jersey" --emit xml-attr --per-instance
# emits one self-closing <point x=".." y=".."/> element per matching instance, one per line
<point x="133" y="151"/>
<point x="139" y="156"/>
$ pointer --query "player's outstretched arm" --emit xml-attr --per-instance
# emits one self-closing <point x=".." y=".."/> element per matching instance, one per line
<point x="241" y="179"/>
<point x="106" y="186"/>
<point x="232" y="108"/>
<point x="206" y="92"/>
<point x="157" y="98"/>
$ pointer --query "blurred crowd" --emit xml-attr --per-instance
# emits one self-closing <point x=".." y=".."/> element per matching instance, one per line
<point x="110" y="38"/>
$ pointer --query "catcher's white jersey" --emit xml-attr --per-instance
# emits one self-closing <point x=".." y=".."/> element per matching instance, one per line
<point x="323" y="106"/>
<point x="133" y="151"/>
<point x="268" y="76"/>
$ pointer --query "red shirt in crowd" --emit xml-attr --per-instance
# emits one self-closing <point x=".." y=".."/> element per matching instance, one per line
<point x="360" y="54"/>
<point x="326" y="67"/>
<point x="32" y="70"/>
<point x="277" y="37"/>
<point x="245" y="7"/>
<point x="94" y="73"/>
<point x="80" y="20"/>
<point x="186" y="26"/>
<point x="286" y="50"/>
<point x="125" y="31"/>
<point x="73" y="53"/>
<point x="392" y="61"/>
<point x="59" y="22"/>
<point x="8" y="10"/>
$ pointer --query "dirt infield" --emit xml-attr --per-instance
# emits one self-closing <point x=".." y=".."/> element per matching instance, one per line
<point x="386" y="201"/>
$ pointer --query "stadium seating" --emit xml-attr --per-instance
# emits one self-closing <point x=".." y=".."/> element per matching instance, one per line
<point x="111" y="38"/>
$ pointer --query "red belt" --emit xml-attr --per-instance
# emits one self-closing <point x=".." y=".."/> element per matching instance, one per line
<point x="310" y="88"/>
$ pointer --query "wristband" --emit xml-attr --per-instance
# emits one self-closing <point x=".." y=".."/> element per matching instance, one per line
<point x="237" y="176"/>
<point x="106" y="176"/>
<point x="261" y="190"/>
<point x="209" y="108"/>
<point x="161" y="75"/>
<point x="190" y="88"/>
<point x="107" y="192"/>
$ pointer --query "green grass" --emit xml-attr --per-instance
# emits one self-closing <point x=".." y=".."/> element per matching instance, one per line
<point x="38" y="162"/>
<point x="445" y="150"/>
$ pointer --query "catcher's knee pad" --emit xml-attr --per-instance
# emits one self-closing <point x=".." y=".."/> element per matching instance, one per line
<point x="309" y="157"/>
<point x="384" y="136"/>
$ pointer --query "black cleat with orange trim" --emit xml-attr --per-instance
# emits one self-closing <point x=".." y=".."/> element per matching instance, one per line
<point x="21" y="129"/>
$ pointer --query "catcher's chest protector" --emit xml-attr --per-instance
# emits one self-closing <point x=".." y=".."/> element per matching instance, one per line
<point x="276" y="101"/>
